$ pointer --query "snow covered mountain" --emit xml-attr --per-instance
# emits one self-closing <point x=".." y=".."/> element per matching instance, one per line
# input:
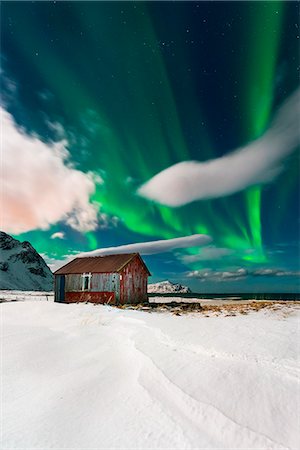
<point x="166" y="287"/>
<point x="21" y="267"/>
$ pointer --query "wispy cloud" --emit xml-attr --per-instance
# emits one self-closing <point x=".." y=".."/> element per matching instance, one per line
<point x="258" y="162"/>
<point x="58" y="235"/>
<point x="55" y="264"/>
<point x="209" y="253"/>
<point x="275" y="272"/>
<point x="153" y="247"/>
<point x="237" y="274"/>
<point x="39" y="186"/>
<point x="208" y="274"/>
<point x="106" y="222"/>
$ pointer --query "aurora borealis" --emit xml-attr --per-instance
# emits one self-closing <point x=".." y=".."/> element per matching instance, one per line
<point x="132" y="88"/>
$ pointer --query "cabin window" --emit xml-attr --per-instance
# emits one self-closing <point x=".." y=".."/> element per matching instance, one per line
<point x="86" y="281"/>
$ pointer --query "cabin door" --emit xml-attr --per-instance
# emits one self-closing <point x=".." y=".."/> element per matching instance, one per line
<point x="60" y="288"/>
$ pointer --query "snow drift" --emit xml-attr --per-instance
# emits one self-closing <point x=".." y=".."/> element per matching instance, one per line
<point x="105" y="378"/>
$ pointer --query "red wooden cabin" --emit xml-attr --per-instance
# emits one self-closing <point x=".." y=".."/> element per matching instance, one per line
<point x="113" y="279"/>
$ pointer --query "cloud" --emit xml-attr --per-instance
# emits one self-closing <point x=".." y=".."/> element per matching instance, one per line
<point x="258" y="162"/>
<point x="275" y="272"/>
<point x="55" y="264"/>
<point x="207" y="254"/>
<point x="234" y="275"/>
<point x="153" y="247"/>
<point x="208" y="274"/>
<point x="106" y="222"/>
<point x="58" y="235"/>
<point x="39" y="187"/>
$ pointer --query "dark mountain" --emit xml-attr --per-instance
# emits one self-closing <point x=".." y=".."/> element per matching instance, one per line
<point x="21" y="267"/>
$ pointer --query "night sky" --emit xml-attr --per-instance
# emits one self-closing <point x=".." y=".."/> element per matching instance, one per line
<point x="99" y="97"/>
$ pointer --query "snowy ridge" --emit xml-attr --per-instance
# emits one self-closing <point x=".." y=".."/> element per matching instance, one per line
<point x="21" y="267"/>
<point x="167" y="287"/>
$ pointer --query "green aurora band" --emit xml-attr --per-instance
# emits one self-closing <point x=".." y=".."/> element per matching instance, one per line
<point x="137" y="132"/>
<point x="259" y="101"/>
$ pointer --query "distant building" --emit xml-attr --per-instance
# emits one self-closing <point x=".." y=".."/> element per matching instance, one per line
<point x="113" y="279"/>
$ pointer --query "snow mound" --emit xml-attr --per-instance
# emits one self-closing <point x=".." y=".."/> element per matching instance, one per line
<point x="167" y="287"/>
<point x="21" y="267"/>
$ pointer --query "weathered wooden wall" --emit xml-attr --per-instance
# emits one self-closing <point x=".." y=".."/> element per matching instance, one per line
<point x="100" y="282"/>
<point x="104" y="287"/>
<point x="88" y="296"/>
<point x="106" y="282"/>
<point x="73" y="282"/>
<point x="133" y="284"/>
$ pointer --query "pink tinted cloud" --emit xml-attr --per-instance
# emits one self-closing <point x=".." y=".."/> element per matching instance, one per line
<point x="39" y="187"/>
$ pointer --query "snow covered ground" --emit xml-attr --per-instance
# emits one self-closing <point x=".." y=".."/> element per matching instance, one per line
<point x="202" y="301"/>
<point x="10" y="295"/>
<point x="92" y="377"/>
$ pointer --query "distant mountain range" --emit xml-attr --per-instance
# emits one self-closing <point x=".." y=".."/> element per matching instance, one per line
<point x="21" y="267"/>
<point x="166" y="287"/>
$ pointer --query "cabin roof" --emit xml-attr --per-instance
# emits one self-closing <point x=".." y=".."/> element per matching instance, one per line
<point x="99" y="264"/>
